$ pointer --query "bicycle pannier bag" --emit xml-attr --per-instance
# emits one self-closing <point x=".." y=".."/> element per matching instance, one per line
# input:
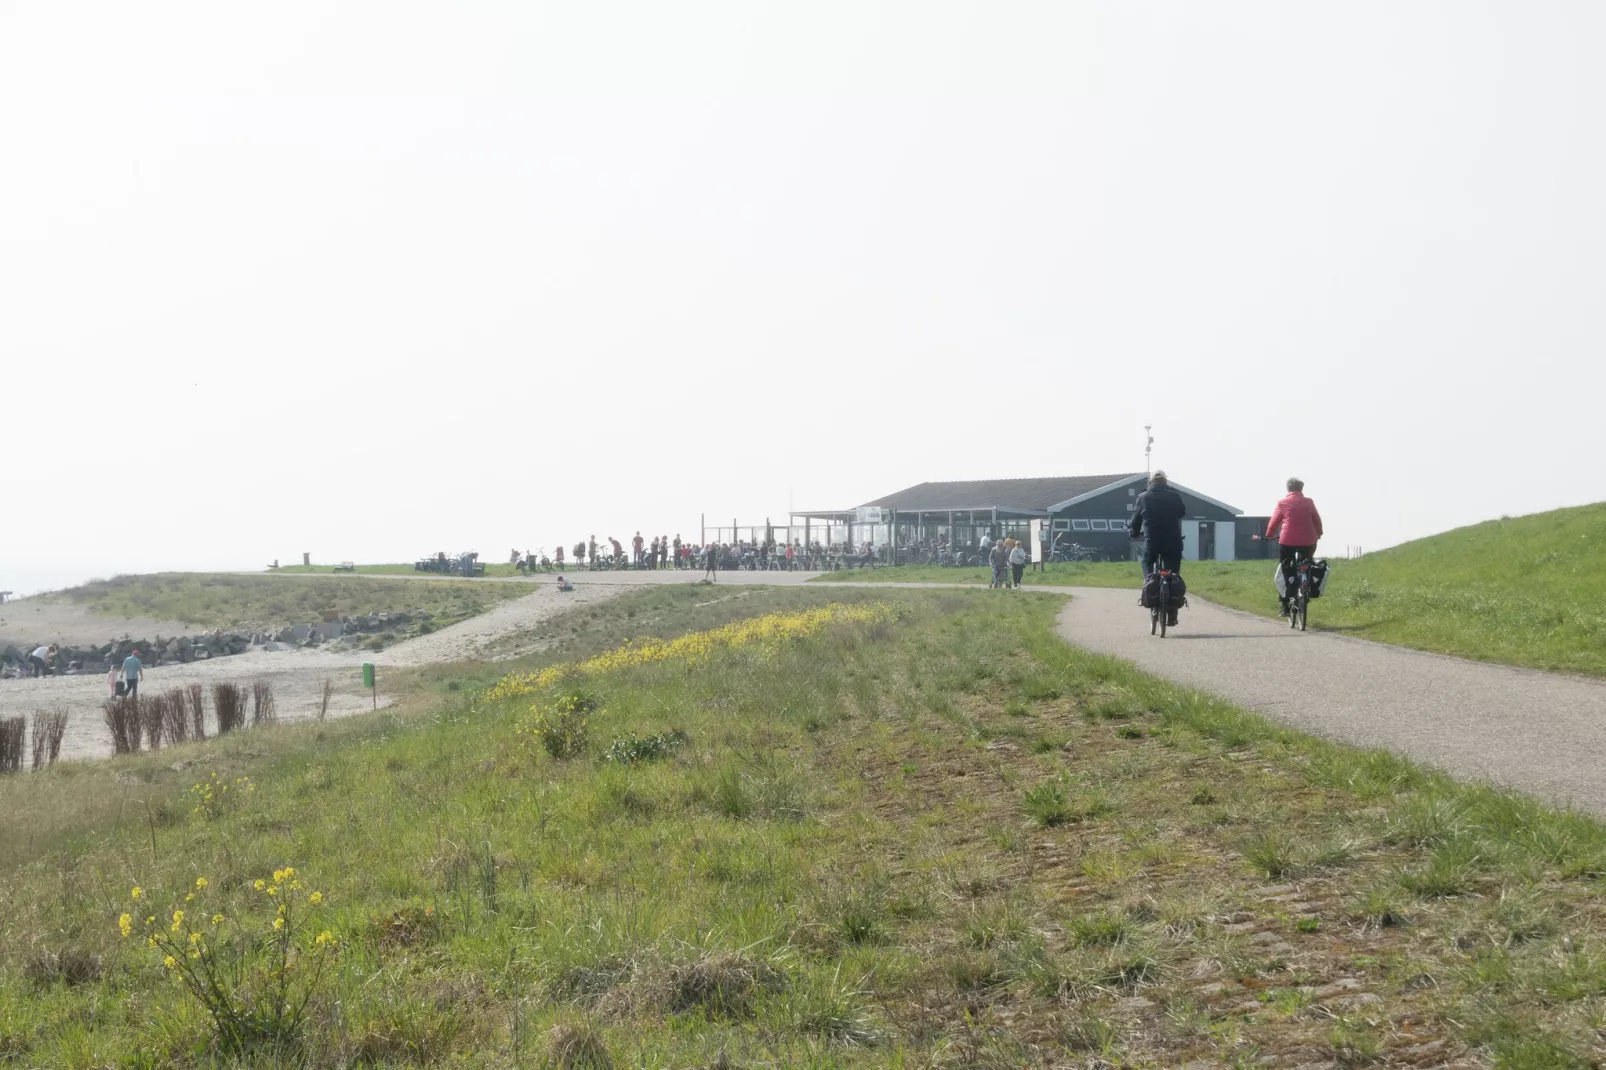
<point x="1179" y="591"/>
<point x="1151" y="590"/>
<point x="1280" y="578"/>
<point x="1318" y="578"/>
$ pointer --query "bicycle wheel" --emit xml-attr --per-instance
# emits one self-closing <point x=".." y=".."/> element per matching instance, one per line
<point x="1154" y="620"/>
<point x="1304" y="605"/>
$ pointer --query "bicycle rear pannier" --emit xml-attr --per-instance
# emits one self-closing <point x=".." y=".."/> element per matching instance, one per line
<point x="1178" y="590"/>
<point x="1318" y="578"/>
<point x="1151" y="590"/>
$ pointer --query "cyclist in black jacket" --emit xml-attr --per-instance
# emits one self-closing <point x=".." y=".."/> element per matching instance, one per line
<point x="1157" y="518"/>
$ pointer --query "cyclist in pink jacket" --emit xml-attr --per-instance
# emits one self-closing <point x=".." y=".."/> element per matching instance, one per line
<point x="1300" y="528"/>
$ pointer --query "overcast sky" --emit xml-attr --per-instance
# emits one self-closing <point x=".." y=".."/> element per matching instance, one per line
<point x="373" y="280"/>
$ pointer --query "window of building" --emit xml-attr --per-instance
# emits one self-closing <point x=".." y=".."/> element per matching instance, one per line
<point x="1101" y="525"/>
<point x="1062" y="525"/>
<point x="1117" y="525"/>
<point x="1078" y="525"/>
<point x="1131" y="492"/>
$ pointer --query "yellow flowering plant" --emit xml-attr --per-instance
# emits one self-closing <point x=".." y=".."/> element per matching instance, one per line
<point x="767" y="633"/>
<point x="253" y="971"/>
<point x="216" y="796"/>
<point x="561" y="727"/>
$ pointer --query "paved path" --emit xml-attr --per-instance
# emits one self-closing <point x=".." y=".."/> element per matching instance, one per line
<point x="1539" y="732"/>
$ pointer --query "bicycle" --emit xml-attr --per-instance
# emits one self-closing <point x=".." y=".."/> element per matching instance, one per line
<point x="1160" y="608"/>
<point x="1299" y="599"/>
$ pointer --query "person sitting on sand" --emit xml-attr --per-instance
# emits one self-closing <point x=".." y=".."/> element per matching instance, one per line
<point x="564" y="585"/>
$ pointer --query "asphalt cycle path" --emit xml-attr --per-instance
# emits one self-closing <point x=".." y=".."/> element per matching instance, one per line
<point x="1538" y="732"/>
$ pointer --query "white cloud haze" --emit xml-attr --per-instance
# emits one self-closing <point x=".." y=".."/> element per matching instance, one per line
<point x="373" y="280"/>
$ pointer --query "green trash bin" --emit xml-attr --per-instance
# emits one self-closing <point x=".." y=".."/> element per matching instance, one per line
<point x="368" y="674"/>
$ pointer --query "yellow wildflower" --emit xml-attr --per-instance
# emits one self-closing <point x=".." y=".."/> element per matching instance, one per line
<point x="278" y="923"/>
<point x="259" y="884"/>
<point x="217" y="919"/>
<point x="325" y="938"/>
<point x="136" y="892"/>
<point x="125" y="924"/>
<point x="170" y="962"/>
<point x="315" y="898"/>
<point x="200" y="882"/>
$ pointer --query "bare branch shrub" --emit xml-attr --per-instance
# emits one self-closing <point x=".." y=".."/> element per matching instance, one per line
<point x="229" y="702"/>
<point x="176" y="716"/>
<point x="262" y="708"/>
<point x="152" y="714"/>
<point x="197" y="711"/>
<point x="49" y="726"/>
<point x="11" y="739"/>
<point x="122" y="718"/>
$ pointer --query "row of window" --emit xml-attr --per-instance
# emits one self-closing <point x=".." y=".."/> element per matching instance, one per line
<point x="1078" y="524"/>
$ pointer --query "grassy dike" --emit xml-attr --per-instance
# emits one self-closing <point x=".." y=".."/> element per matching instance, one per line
<point x="944" y="840"/>
<point x="229" y="600"/>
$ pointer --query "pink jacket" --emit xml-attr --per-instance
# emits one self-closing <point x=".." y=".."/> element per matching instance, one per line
<point x="1301" y="523"/>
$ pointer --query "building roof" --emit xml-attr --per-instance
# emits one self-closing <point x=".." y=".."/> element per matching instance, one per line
<point x="1030" y="495"/>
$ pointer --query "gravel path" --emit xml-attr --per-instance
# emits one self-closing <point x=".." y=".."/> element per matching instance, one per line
<point x="1538" y="732"/>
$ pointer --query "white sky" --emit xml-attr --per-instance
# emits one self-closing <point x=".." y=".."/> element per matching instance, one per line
<point x="372" y="280"/>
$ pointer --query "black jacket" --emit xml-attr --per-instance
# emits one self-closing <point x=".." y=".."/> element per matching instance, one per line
<point x="1158" y="516"/>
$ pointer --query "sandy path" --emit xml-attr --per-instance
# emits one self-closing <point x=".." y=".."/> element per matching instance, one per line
<point x="1538" y="732"/>
<point x="297" y="675"/>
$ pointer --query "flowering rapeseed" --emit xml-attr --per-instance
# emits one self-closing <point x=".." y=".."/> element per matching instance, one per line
<point x="767" y="633"/>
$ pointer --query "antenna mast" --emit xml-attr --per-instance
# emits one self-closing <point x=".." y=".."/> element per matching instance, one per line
<point x="1148" y="429"/>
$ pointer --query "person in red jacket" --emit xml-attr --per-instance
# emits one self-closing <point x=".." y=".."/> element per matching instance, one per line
<point x="1298" y="527"/>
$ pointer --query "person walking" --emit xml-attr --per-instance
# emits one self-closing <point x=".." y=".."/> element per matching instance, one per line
<point x="133" y="673"/>
<point x="676" y="545"/>
<point x="593" y="553"/>
<point x="636" y="544"/>
<point x="1017" y="561"/>
<point x="663" y="551"/>
<point x="1298" y="527"/>
<point x="39" y="661"/>
<point x="711" y="572"/>
<point x="998" y="558"/>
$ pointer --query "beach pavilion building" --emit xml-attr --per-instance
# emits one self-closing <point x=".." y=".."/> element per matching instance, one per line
<point x="1088" y="511"/>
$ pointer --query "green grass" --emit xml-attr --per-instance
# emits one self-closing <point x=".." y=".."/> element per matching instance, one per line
<point x="227" y="600"/>
<point x="851" y="862"/>
<point x="1526" y="591"/>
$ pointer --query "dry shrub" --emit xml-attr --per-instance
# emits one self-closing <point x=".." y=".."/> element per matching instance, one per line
<point x="577" y="1047"/>
<point x="262" y="708"/>
<point x="12" y="730"/>
<point x="122" y="718"/>
<point x="197" y="711"/>
<point x="49" y="726"/>
<point x="229" y="702"/>
<point x="152" y="715"/>
<point x="328" y="693"/>
<point x="176" y="715"/>
<point x="722" y="985"/>
<point x="72" y="966"/>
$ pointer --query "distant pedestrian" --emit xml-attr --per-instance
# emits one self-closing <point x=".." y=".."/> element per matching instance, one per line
<point x="711" y="572"/>
<point x="114" y="675"/>
<point x="998" y="558"/>
<point x="1017" y="560"/>
<point x="133" y="673"/>
<point x="560" y="559"/>
<point x="593" y="553"/>
<point x="39" y="661"/>
<point x="636" y="544"/>
<point x="619" y="552"/>
<point x="663" y="551"/>
<point x="676" y="545"/>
